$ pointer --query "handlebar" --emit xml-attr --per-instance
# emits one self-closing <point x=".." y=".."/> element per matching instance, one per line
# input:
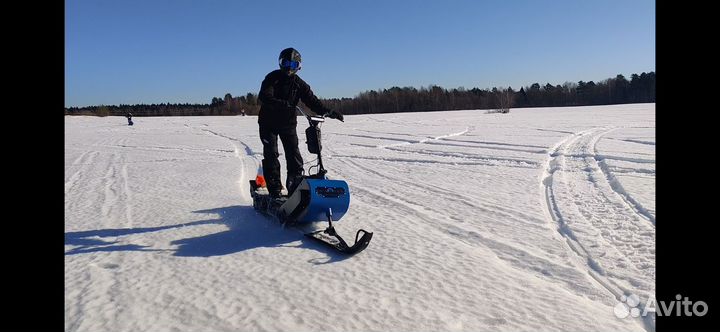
<point x="312" y="119"/>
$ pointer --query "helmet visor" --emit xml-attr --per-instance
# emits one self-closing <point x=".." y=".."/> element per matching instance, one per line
<point x="290" y="64"/>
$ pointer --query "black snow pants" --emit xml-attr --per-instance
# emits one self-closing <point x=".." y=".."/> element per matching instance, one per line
<point x="271" y="164"/>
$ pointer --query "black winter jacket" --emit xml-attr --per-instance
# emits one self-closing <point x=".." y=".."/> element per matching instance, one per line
<point x="279" y="94"/>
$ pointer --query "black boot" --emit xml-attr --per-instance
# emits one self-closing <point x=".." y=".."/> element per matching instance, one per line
<point x="271" y="170"/>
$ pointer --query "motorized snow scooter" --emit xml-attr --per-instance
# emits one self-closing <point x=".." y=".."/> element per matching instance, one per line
<point x="316" y="198"/>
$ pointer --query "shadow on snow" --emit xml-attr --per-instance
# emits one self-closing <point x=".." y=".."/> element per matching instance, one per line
<point x="247" y="229"/>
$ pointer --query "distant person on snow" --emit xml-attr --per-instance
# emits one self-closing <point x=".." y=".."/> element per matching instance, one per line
<point x="279" y="94"/>
<point x="129" y="117"/>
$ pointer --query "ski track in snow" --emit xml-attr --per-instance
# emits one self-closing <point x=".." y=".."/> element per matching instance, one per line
<point x="247" y="153"/>
<point x="161" y="235"/>
<point x="425" y="140"/>
<point x="452" y="226"/>
<point x="589" y="206"/>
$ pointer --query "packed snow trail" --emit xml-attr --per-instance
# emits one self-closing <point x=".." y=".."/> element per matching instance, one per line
<point x="533" y="220"/>
<point x="597" y="220"/>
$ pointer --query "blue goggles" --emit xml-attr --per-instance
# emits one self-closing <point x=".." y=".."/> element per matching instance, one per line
<point x="294" y="65"/>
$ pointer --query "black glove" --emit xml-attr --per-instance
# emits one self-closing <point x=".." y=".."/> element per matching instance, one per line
<point x="335" y="115"/>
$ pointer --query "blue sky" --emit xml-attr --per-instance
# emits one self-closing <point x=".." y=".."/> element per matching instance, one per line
<point x="130" y="52"/>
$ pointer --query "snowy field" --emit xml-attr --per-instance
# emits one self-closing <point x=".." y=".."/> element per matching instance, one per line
<point x="536" y="220"/>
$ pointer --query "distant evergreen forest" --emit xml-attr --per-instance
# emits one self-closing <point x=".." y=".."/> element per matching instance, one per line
<point x="618" y="90"/>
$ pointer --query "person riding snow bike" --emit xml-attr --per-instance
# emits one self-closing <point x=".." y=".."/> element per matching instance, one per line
<point x="280" y="92"/>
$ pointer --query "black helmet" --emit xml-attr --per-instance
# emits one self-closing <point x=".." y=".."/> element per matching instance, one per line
<point x="289" y="60"/>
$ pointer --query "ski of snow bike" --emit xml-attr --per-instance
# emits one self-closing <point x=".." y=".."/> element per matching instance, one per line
<point x="332" y="239"/>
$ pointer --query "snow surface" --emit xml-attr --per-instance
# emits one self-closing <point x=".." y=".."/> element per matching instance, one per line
<point x="535" y="220"/>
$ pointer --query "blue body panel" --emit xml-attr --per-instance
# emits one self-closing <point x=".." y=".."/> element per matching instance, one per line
<point x="324" y="194"/>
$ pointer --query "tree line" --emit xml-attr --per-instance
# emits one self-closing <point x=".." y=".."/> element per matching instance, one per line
<point x="618" y="90"/>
